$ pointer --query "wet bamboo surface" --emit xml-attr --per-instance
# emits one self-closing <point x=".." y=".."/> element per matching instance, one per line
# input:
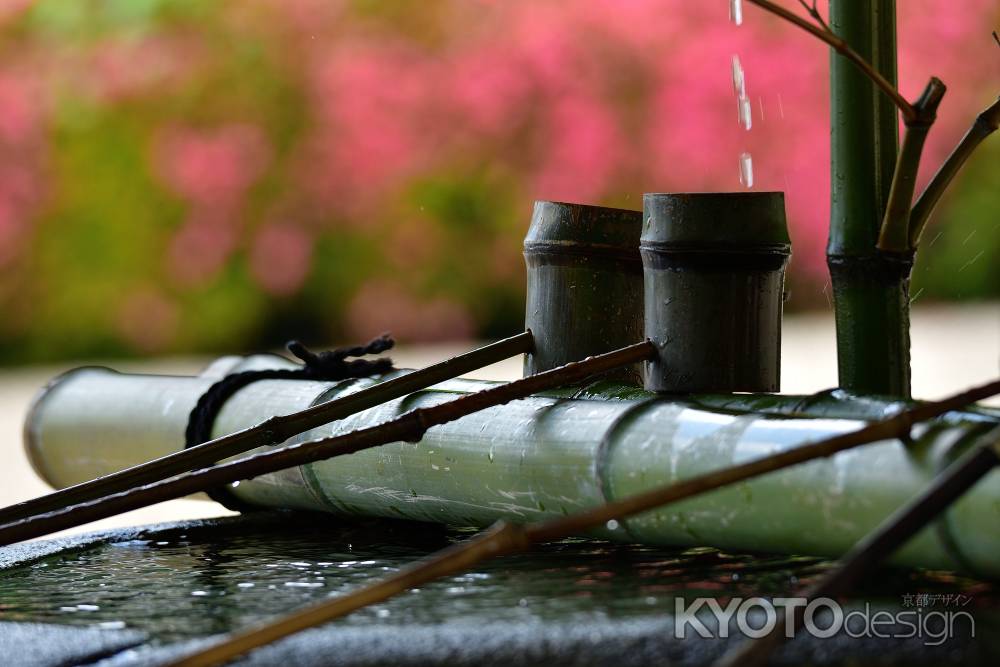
<point x="949" y="342"/>
<point x="408" y="427"/>
<point x="271" y="431"/>
<point x="868" y="554"/>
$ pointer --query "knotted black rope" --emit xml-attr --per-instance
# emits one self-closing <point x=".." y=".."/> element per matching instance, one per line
<point x="328" y="365"/>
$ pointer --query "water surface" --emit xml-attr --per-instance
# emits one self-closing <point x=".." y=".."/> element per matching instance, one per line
<point x="177" y="585"/>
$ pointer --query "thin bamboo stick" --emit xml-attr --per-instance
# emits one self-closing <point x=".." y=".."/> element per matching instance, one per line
<point x="948" y="487"/>
<point x="408" y="427"/>
<point x="504" y="539"/>
<point x="272" y="431"/>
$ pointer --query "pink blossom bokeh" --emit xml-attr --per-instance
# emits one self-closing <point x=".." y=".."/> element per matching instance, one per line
<point x="382" y="158"/>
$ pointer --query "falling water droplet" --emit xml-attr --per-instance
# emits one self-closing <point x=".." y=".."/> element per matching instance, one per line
<point x="739" y="82"/>
<point x="612" y="525"/>
<point x="746" y="113"/>
<point x="736" y="11"/>
<point x="746" y="170"/>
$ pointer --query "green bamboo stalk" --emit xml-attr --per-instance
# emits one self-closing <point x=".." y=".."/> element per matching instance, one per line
<point x="895" y="233"/>
<point x="870" y="289"/>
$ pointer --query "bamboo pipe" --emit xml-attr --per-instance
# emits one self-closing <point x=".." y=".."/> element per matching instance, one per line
<point x="550" y="455"/>
<point x="272" y="431"/>
<point x="409" y="427"/>
<point x="868" y="554"/>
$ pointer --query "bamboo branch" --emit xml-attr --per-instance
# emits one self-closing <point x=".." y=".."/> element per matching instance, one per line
<point x="986" y="123"/>
<point x="894" y="235"/>
<point x="901" y="229"/>
<point x="824" y="33"/>
<point x="505" y="539"/>
<point x="867" y="554"/>
<point x="408" y="427"/>
<point x="272" y="431"/>
<point x="814" y="13"/>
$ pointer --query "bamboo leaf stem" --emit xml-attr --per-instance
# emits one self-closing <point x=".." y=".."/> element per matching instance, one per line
<point x="505" y="539"/>
<point x="408" y="427"/>
<point x="986" y="123"/>
<point x="272" y="431"/>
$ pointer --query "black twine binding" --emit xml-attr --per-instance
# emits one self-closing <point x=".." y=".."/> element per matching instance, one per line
<point x="328" y="365"/>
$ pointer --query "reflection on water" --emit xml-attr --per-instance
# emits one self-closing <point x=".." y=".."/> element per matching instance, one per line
<point x="176" y="585"/>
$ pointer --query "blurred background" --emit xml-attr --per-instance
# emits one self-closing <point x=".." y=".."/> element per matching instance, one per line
<point x="181" y="178"/>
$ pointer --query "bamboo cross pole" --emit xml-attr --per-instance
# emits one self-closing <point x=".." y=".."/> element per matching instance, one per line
<point x="506" y="539"/>
<point x="409" y="427"/>
<point x="948" y="487"/>
<point x="272" y="431"/>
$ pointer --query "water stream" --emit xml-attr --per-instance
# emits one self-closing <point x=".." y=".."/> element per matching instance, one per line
<point x="744" y="108"/>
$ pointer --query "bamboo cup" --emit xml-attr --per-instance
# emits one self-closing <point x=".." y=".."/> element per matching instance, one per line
<point x="714" y="270"/>
<point x="584" y="284"/>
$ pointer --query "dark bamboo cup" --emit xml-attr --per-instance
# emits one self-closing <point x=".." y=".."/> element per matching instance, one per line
<point x="584" y="284"/>
<point x="714" y="268"/>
